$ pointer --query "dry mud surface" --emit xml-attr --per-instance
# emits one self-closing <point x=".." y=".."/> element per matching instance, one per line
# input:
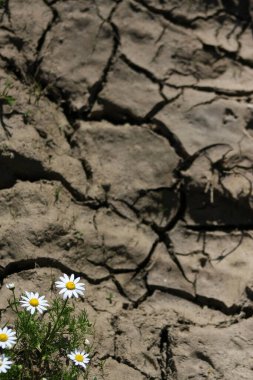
<point x="127" y="158"/>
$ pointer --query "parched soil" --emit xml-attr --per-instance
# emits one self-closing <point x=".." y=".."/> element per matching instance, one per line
<point x="127" y="159"/>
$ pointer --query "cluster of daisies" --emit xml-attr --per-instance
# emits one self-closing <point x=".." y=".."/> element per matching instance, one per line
<point x="32" y="302"/>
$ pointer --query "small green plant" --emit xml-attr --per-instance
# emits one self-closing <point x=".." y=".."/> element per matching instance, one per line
<point x="101" y="365"/>
<point x="2" y="3"/>
<point x="78" y="236"/>
<point x="46" y="341"/>
<point x="57" y="194"/>
<point x="5" y="97"/>
<point x="110" y="297"/>
<point x="35" y="93"/>
<point x="27" y="116"/>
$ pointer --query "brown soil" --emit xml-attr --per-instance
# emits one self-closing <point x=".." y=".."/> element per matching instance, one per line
<point x="127" y="158"/>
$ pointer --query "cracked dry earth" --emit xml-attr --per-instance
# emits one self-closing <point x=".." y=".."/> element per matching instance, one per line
<point x="127" y="159"/>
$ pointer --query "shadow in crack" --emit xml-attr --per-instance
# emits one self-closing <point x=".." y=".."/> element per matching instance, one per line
<point x="223" y="211"/>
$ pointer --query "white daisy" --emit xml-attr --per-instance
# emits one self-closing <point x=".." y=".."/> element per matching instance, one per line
<point x="70" y="286"/>
<point x="5" y="364"/>
<point x="79" y="358"/>
<point x="33" y="302"/>
<point x="10" y="286"/>
<point x="7" y="338"/>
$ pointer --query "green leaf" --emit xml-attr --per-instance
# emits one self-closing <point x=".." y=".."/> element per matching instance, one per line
<point x="9" y="100"/>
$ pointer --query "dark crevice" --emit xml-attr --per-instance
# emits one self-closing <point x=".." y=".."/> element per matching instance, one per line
<point x="92" y="203"/>
<point x="128" y="363"/>
<point x="176" y="292"/>
<point x="131" y="365"/>
<point x="6" y="10"/>
<point x="249" y="293"/>
<point x="224" y="227"/>
<point x="52" y="92"/>
<point x="143" y="298"/>
<point x="221" y="91"/>
<point x="55" y="17"/>
<point x="155" y="109"/>
<point x="137" y="213"/>
<point x="12" y="68"/>
<point x="168" y="15"/>
<point x="53" y="176"/>
<point x="118" y="114"/>
<point x="44" y="262"/>
<point x="201" y="355"/>
<point x="159" y="106"/>
<point x="166" y="361"/>
<point x="147" y="259"/>
<point x="242" y="311"/>
<point x="240" y="9"/>
<point x="87" y="169"/>
<point x="203" y="301"/>
<point x="215" y="304"/>
<point x="188" y="161"/>
<point x="18" y="42"/>
<point x="119" y="287"/>
<point x="162" y="129"/>
<point x="118" y="212"/>
<point x="207" y="102"/>
<point x="179" y="215"/>
<point x="110" y="269"/>
<point x="225" y="255"/>
<point x="52" y="2"/>
<point x="18" y="167"/>
<point x="219" y="52"/>
<point x="99" y="85"/>
<point x="141" y="70"/>
<point x="61" y="97"/>
<point x="215" y="90"/>
<point x="115" y="114"/>
<point x="165" y="239"/>
<point x="161" y="232"/>
<point x="118" y="270"/>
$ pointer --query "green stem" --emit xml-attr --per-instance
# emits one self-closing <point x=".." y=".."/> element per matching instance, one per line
<point x="55" y="326"/>
<point x="15" y="301"/>
<point x="23" y="332"/>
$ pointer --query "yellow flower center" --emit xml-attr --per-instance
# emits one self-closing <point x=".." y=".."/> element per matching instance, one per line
<point x="70" y="285"/>
<point x="79" y="357"/>
<point x="1" y="363"/>
<point x="3" y="337"/>
<point x="34" y="302"/>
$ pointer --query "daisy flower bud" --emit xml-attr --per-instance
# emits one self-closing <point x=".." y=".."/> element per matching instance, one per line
<point x="10" y="286"/>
